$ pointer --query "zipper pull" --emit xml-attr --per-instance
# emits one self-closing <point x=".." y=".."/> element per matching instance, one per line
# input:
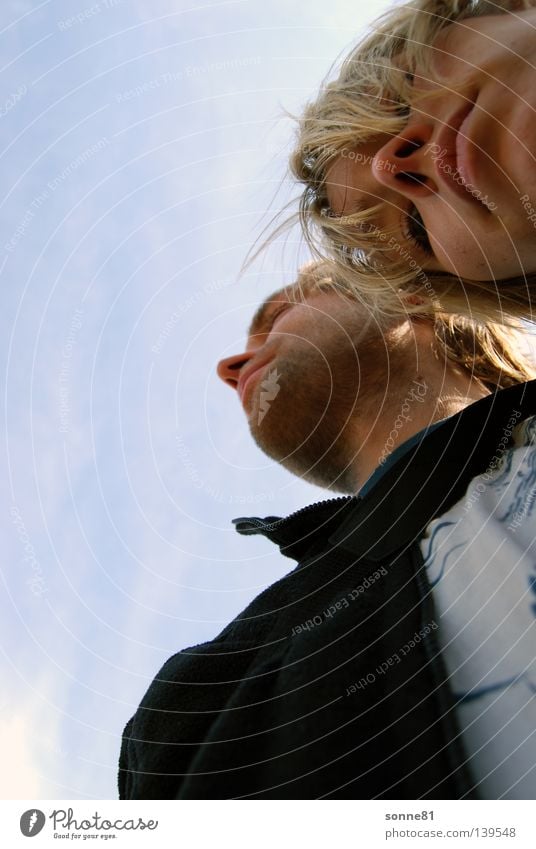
<point x="253" y="525"/>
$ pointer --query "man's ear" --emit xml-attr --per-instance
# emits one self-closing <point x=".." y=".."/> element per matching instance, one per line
<point x="412" y="299"/>
<point x="417" y="306"/>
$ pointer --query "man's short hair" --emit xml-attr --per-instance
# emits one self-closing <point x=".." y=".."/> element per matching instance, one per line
<point x="496" y="354"/>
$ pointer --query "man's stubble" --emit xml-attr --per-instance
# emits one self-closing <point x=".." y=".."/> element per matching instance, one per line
<point x="328" y="401"/>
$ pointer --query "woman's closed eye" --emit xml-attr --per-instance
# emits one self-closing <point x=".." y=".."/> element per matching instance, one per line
<point x="414" y="229"/>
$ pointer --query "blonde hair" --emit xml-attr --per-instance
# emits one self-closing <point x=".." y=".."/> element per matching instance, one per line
<point x="370" y="97"/>
<point x="493" y="353"/>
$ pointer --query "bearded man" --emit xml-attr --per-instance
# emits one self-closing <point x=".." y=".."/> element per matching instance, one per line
<point x="394" y="661"/>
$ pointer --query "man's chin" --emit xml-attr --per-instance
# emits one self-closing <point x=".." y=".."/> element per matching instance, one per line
<point x="317" y="469"/>
<point x="320" y="475"/>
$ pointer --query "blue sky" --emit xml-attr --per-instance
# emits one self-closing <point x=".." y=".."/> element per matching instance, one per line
<point x="144" y="147"/>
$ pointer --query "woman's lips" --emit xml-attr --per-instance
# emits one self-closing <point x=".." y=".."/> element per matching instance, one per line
<point x="454" y="155"/>
<point x="465" y="151"/>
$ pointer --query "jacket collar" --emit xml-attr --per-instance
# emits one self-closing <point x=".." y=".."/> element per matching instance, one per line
<point x="428" y="476"/>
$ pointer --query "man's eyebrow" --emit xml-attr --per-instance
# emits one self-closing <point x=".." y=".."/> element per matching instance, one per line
<point x="258" y="318"/>
<point x="261" y="317"/>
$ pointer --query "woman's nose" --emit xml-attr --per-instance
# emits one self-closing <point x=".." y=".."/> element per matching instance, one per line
<point x="229" y="368"/>
<point x="404" y="163"/>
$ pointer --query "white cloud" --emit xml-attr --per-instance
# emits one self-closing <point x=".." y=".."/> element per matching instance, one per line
<point x="22" y="780"/>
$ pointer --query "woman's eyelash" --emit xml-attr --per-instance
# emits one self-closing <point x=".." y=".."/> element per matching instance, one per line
<point x="416" y="231"/>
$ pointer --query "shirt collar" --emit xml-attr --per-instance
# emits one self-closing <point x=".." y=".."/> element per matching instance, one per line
<point x="396" y="455"/>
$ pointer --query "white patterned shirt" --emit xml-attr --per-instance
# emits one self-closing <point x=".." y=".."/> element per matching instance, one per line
<point x="481" y="561"/>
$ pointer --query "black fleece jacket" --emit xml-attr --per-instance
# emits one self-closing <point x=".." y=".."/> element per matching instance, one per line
<point x="330" y="684"/>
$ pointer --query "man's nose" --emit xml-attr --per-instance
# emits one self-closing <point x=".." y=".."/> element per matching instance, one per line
<point x="404" y="163"/>
<point x="229" y="368"/>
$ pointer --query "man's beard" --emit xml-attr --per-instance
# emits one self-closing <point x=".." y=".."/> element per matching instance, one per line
<point x="313" y="413"/>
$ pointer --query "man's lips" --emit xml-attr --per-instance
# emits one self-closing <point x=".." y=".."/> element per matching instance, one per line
<point x="452" y="156"/>
<point x="251" y="372"/>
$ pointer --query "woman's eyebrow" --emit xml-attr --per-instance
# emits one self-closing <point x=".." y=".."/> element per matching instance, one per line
<point x="360" y="206"/>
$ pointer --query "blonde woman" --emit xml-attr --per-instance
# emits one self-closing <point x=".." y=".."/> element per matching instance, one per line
<point x="419" y="162"/>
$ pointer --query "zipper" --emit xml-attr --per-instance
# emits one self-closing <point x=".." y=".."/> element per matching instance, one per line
<point x="251" y="525"/>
